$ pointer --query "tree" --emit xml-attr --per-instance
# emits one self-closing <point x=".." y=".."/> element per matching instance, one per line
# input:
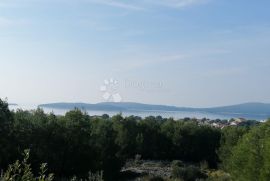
<point x="250" y="157"/>
<point x="229" y="138"/>
<point x="126" y="132"/>
<point x="6" y="123"/>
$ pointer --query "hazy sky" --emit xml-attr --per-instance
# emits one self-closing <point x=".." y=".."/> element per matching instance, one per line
<point x="175" y="52"/>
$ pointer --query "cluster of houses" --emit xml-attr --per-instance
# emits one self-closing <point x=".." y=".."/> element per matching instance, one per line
<point x="224" y="123"/>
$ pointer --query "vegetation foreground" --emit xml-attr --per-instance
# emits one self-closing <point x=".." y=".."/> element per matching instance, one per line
<point x="80" y="147"/>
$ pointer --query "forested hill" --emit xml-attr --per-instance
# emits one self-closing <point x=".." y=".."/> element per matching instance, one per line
<point x="247" y="108"/>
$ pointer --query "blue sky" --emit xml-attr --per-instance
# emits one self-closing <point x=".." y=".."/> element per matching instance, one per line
<point x="177" y="52"/>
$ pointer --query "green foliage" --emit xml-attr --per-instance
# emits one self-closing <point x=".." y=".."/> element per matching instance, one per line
<point x="72" y="144"/>
<point x="229" y="138"/>
<point x="191" y="142"/>
<point x="187" y="173"/>
<point x="218" y="176"/>
<point x="21" y="171"/>
<point x="177" y="163"/>
<point x="91" y="177"/>
<point x="152" y="178"/>
<point x="126" y="132"/>
<point x="5" y="116"/>
<point x="249" y="160"/>
<point x="6" y="123"/>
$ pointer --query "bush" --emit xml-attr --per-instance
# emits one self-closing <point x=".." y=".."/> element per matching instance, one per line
<point x="250" y="158"/>
<point x="22" y="171"/>
<point x="189" y="173"/>
<point x="219" y="176"/>
<point x="91" y="177"/>
<point x="152" y="178"/>
<point x="177" y="163"/>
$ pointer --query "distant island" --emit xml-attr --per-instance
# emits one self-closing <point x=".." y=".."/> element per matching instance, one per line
<point x="12" y="104"/>
<point x="246" y="108"/>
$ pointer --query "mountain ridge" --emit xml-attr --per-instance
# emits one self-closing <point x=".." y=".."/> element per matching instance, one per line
<point x="244" y="108"/>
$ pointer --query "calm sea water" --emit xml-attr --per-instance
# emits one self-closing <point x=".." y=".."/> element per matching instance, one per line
<point x="165" y="114"/>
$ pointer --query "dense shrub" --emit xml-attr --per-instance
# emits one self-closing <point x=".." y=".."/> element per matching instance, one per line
<point x="22" y="171"/>
<point x="152" y="178"/>
<point x="187" y="173"/>
<point x="219" y="176"/>
<point x="229" y="138"/>
<point x="77" y="143"/>
<point x="250" y="158"/>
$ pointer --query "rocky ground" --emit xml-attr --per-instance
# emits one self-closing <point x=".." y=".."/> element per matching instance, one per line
<point x="136" y="170"/>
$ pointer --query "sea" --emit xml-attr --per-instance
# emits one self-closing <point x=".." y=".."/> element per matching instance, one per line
<point x="143" y="114"/>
